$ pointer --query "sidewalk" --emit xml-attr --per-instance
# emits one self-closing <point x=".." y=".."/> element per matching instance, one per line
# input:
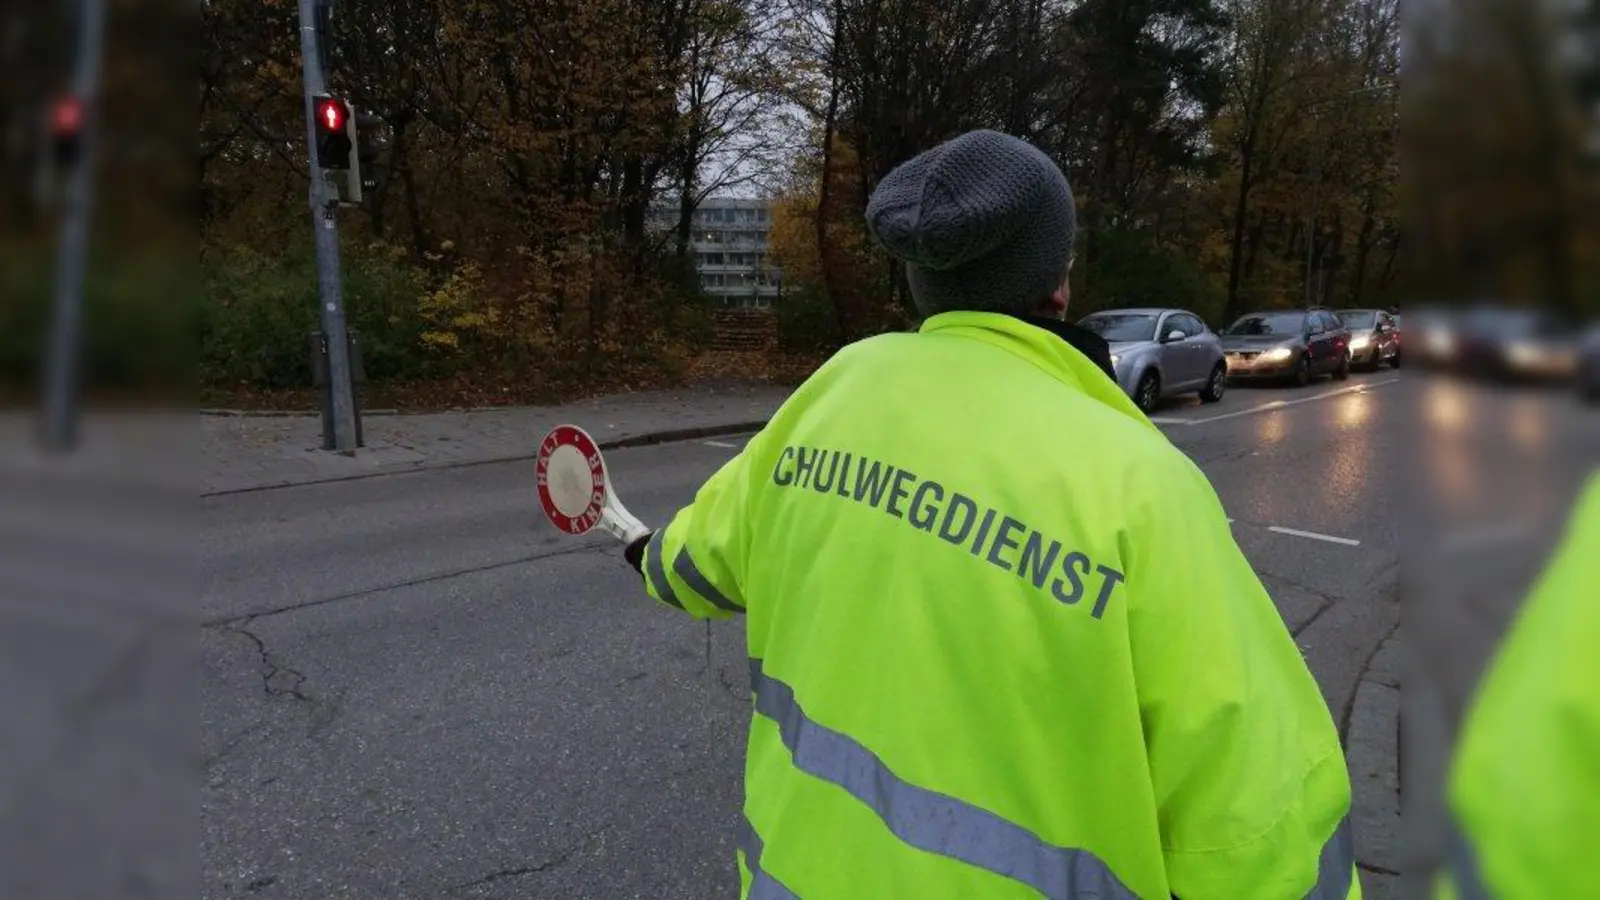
<point x="251" y="452"/>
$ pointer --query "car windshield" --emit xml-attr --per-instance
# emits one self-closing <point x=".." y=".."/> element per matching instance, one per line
<point x="1286" y="323"/>
<point x="1116" y="327"/>
<point x="1359" y="318"/>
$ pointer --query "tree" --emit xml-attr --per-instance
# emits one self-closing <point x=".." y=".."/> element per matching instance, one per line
<point x="1133" y="116"/>
<point x="729" y="122"/>
<point x="1267" y="55"/>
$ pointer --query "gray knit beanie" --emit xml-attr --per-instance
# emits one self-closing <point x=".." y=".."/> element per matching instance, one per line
<point x="984" y="222"/>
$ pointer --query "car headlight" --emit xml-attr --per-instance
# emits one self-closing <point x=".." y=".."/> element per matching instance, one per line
<point x="1524" y="353"/>
<point x="1360" y="342"/>
<point x="1277" y="354"/>
<point x="1116" y="360"/>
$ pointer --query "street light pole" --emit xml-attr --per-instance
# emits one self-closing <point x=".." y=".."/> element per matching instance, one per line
<point x="62" y="354"/>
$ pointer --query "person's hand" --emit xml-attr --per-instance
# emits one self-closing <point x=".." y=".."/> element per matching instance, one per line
<point x="634" y="552"/>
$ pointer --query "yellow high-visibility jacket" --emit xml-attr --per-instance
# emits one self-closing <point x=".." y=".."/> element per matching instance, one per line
<point x="1524" y="792"/>
<point x="1002" y="643"/>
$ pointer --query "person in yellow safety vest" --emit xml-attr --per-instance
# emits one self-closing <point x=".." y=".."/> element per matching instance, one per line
<point x="1002" y="643"/>
<point x="1524" y="792"/>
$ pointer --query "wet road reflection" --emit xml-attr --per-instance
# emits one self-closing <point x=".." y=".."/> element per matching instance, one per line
<point x="1317" y="466"/>
<point x="1486" y="456"/>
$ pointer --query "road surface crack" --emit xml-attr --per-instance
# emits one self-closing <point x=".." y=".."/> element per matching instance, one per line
<point x="735" y="690"/>
<point x="547" y="865"/>
<point x="1328" y="600"/>
<point x="279" y="680"/>
<point x="230" y="745"/>
<point x="1324" y="595"/>
<point x="1312" y="619"/>
<point x="1361" y="676"/>
<point x="238" y="622"/>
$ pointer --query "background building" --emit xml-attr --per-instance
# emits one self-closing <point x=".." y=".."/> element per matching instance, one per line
<point x="729" y="242"/>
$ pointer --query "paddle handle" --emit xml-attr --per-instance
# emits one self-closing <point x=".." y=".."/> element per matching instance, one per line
<point x="615" y="519"/>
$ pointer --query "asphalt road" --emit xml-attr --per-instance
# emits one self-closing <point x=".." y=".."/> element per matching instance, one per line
<point x="414" y="687"/>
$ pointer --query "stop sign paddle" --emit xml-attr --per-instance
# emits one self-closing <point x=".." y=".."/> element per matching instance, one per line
<point x="575" y="490"/>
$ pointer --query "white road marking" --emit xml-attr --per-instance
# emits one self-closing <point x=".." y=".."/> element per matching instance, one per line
<point x="721" y="444"/>
<point x="1168" y="420"/>
<point x="1279" y="404"/>
<point x="1348" y="542"/>
<point x="1481" y="538"/>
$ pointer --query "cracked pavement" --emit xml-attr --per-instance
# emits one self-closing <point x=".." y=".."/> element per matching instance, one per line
<point x="414" y="687"/>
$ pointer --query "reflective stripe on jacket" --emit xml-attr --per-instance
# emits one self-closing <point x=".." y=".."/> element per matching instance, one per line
<point x="1524" y="792"/>
<point x="1002" y="643"/>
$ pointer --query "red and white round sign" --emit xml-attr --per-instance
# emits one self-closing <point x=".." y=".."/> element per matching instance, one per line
<point x="572" y="479"/>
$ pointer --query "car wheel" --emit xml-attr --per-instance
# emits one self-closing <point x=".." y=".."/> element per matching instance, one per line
<point x="1395" y="359"/>
<point x="1343" y="372"/>
<point x="1215" y="385"/>
<point x="1148" y="393"/>
<point x="1301" y="376"/>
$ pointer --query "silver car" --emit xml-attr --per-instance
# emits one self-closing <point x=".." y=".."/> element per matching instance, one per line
<point x="1161" y="353"/>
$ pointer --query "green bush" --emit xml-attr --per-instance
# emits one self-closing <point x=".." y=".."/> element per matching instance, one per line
<point x="24" y="314"/>
<point x="807" y="321"/>
<point x="685" y="308"/>
<point x="137" y="326"/>
<point x="1129" y="268"/>
<point x="259" y="311"/>
<point x="140" y="315"/>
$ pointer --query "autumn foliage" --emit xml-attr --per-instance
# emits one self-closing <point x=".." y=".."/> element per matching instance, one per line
<point x="525" y="147"/>
<point x="1226" y="155"/>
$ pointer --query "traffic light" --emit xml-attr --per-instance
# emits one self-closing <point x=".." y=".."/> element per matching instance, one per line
<point x="347" y="142"/>
<point x="66" y="131"/>
<point x="334" y="130"/>
<point x="367" y="148"/>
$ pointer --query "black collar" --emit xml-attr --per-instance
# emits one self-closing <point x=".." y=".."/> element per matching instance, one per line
<point x="1080" y="339"/>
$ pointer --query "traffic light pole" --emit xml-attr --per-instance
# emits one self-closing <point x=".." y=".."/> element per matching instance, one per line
<point x="60" y="407"/>
<point x="325" y="225"/>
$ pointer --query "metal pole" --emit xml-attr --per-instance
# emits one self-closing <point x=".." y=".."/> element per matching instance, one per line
<point x="60" y="425"/>
<point x="324" y="220"/>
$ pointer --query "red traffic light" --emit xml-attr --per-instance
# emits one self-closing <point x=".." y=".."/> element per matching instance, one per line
<point x="333" y="143"/>
<point x="331" y="114"/>
<point x="67" y="116"/>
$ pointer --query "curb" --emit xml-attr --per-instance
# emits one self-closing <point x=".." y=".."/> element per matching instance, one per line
<point x="714" y="387"/>
<point x="639" y="440"/>
<point x="294" y="413"/>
